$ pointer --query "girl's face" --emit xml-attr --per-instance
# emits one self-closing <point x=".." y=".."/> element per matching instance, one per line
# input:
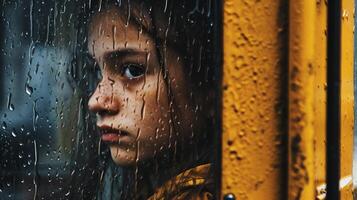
<point x="131" y="100"/>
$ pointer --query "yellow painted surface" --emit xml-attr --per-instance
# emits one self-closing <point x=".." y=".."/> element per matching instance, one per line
<point x="347" y="114"/>
<point x="320" y="78"/>
<point x="254" y="96"/>
<point x="301" y="177"/>
<point x="254" y="120"/>
<point x="346" y="99"/>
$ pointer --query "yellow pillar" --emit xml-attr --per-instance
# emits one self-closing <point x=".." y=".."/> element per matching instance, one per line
<point x="347" y="99"/>
<point x="320" y="78"/>
<point x="254" y="99"/>
<point x="347" y="96"/>
<point x="275" y="86"/>
<point x="301" y="99"/>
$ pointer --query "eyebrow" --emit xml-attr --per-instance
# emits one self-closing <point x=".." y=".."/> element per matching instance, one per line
<point x="122" y="53"/>
<point x="116" y="54"/>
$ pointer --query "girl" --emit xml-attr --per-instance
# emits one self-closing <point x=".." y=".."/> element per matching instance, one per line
<point x="154" y="101"/>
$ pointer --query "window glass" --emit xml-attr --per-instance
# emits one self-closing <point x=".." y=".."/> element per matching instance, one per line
<point x="110" y="99"/>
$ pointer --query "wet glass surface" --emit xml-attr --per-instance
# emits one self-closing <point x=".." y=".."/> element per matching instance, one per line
<point x="108" y="99"/>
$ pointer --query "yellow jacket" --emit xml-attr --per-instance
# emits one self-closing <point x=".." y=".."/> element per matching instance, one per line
<point x="192" y="184"/>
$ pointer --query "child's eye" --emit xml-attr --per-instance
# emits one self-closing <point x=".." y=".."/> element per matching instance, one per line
<point x="132" y="71"/>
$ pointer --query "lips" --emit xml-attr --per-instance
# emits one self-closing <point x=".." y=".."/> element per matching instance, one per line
<point x="111" y="135"/>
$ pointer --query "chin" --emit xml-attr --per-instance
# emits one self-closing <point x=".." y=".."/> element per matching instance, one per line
<point x="122" y="157"/>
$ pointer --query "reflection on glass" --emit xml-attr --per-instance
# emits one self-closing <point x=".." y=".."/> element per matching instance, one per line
<point x="108" y="99"/>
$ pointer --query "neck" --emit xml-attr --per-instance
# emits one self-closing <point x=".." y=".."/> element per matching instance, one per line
<point x="147" y="176"/>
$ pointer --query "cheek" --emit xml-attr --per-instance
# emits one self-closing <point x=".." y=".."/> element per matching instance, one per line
<point x="154" y="97"/>
<point x="154" y="122"/>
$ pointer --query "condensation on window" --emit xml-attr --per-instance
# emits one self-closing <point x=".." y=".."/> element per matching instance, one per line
<point x="110" y="99"/>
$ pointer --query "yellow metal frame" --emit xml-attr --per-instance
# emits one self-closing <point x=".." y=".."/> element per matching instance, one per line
<point x="347" y="98"/>
<point x="255" y="54"/>
<point x="301" y="97"/>
<point x="319" y="105"/>
<point x="254" y="122"/>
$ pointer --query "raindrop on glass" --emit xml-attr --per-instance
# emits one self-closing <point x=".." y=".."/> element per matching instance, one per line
<point x="28" y="89"/>
<point x="4" y="125"/>
<point x="13" y="134"/>
<point x="11" y="107"/>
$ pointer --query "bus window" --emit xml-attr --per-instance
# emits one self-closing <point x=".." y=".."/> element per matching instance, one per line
<point x="109" y="99"/>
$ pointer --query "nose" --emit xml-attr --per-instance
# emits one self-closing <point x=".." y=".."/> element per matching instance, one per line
<point x="103" y="101"/>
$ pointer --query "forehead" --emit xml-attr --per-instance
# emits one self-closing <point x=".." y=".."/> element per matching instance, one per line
<point x="111" y="29"/>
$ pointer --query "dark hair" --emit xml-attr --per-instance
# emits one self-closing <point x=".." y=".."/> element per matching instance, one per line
<point x="185" y="26"/>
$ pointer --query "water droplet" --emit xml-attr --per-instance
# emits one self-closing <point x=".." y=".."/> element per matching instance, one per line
<point x="11" y="107"/>
<point x="4" y="125"/>
<point x="345" y="15"/>
<point x="28" y="89"/>
<point x="13" y="134"/>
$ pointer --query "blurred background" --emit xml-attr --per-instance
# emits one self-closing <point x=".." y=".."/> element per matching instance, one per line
<point x="42" y="102"/>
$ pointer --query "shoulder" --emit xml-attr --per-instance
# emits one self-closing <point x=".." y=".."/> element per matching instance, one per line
<point x="195" y="183"/>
